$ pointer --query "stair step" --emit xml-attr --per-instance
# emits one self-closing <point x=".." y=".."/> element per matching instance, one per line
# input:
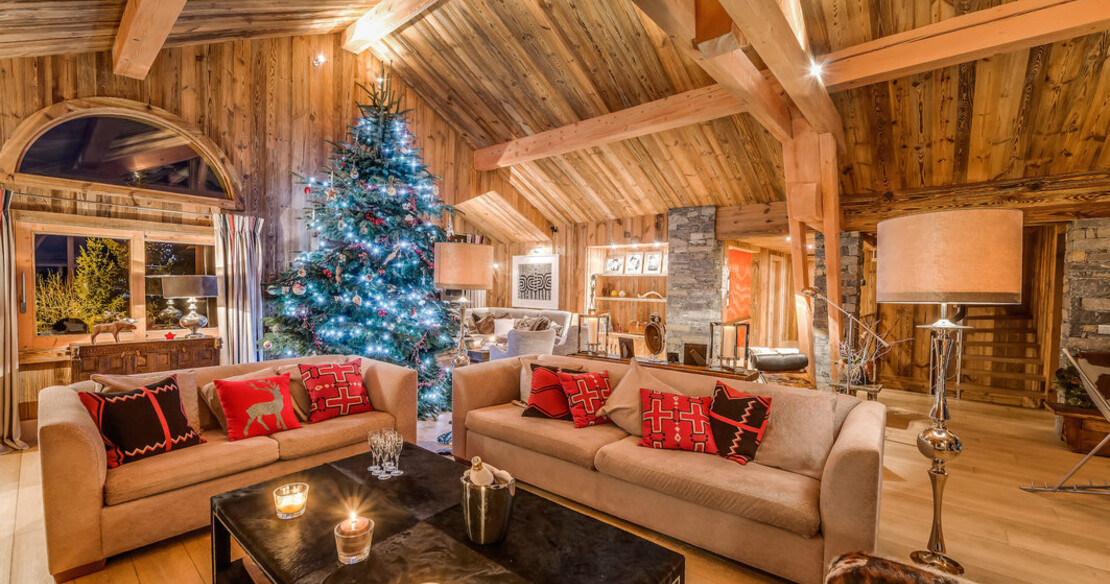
<point x="1001" y="395"/>
<point x="995" y="359"/>
<point x="1000" y="331"/>
<point x="1004" y="344"/>
<point x="980" y="373"/>
<point x="998" y="317"/>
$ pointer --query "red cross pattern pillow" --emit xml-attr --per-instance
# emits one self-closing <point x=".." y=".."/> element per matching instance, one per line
<point x="676" y="422"/>
<point x="586" y="393"/>
<point x="335" y="389"/>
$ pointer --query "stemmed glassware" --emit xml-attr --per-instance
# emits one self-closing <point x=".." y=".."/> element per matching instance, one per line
<point x="385" y="449"/>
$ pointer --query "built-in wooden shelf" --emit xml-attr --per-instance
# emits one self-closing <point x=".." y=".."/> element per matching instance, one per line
<point x="604" y="275"/>
<point x="611" y="299"/>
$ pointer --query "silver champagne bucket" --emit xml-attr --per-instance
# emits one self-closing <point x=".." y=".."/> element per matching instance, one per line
<point x="486" y="510"/>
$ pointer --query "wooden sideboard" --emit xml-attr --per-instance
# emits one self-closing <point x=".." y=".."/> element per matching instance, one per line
<point x="143" y="356"/>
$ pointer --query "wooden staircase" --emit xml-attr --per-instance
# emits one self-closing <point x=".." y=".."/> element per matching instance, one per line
<point x="1001" y="358"/>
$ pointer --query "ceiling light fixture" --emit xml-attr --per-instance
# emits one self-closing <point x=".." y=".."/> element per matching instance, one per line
<point x="816" y="69"/>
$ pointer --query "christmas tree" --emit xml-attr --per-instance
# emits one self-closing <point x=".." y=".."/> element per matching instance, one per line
<point x="368" y="288"/>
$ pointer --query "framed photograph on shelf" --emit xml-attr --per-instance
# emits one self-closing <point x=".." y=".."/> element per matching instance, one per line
<point x="653" y="262"/>
<point x="614" y="265"/>
<point x="536" y="281"/>
<point x="634" y="263"/>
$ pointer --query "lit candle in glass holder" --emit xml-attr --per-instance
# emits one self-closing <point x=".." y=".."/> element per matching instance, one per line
<point x="352" y="539"/>
<point x="291" y="500"/>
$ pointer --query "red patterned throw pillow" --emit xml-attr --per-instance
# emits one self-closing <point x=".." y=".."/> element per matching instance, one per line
<point x="676" y="422"/>
<point x="739" y="421"/>
<point x="547" y="399"/>
<point x="586" y="393"/>
<point x="335" y="389"/>
<point x="142" y="422"/>
<point x="256" y="407"/>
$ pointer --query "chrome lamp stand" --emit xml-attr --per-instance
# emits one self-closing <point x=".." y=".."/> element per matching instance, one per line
<point x="937" y="442"/>
<point x="462" y="355"/>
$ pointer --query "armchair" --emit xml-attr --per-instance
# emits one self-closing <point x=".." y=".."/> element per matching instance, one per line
<point x="525" y="343"/>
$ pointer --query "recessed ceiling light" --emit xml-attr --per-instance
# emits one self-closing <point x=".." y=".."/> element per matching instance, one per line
<point x="816" y="69"/>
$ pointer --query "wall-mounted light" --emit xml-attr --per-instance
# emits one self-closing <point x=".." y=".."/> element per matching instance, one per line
<point x="319" y="60"/>
<point x="496" y="266"/>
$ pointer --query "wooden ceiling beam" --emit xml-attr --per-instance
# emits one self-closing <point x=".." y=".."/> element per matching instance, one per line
<point x="772" y="34"/>
<point x="676" y="111"/>
<point x="381" y="21"/>
<point x="729" y="66"/>
<point x="1050" y="199"/>
<point x="739" y="222"/>
<point x="142" y="31"/>
<point x="977" y="35"/>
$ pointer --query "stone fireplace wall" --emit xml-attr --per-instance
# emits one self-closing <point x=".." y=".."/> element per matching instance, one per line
<point x="694" y="275"/>
<point x="1086" y="305"/>
<point x="851" y="282"/>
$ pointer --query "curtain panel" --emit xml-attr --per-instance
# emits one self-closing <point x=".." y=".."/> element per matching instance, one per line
<point x="10" y="434"/>
<point x="239" y="270"/>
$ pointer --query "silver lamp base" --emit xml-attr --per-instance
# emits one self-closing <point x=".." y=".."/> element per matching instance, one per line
<point x="193" y="321"/>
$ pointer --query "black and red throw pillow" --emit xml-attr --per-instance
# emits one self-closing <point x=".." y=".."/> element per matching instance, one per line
<point x="739" y="421"/>
<point x="142" y="422"/>
<point x="335" y="389"/>
<point x="256" y="407"/>
<point x="586" y="393"/>
<point x="547" y="399"/>
<point x="676" y="422"/>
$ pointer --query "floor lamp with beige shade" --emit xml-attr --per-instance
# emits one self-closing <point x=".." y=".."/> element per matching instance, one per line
<point x="463" y="266"/>
<point x="969" y="256"/>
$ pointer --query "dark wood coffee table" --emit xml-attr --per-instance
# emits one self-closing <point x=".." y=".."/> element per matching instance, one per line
<point x="420" y="536"/>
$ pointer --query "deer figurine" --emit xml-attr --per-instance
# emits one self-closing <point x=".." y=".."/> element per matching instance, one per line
<point x="113" y="328"/>
<point x="273" y="407"/>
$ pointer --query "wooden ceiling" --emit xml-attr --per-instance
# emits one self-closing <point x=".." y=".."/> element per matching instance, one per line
<point x="509" y="69"/>
<point x="50" y="27"/>
<point x="1030" y="113"/>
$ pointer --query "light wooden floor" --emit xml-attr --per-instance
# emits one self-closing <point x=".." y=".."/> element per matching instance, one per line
<point x="1001" y="534"/>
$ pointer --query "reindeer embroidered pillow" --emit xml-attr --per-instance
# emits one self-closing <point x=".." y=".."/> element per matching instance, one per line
<point x="142" y="422"/>
<point x="335" y="389"/>
<point x="256" y="407"/>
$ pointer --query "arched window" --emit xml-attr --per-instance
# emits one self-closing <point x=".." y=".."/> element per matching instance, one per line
<point x="123" y="152"/>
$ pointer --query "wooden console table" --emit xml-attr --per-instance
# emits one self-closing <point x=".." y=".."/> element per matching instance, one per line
<point x="143" y="356"/>
<point x="742" y="375"/>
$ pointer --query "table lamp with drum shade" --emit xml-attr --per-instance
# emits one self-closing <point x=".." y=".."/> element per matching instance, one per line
<point x="968" y="256"/>
<point x="463" y="266"/>
<point x="190" y="288"/>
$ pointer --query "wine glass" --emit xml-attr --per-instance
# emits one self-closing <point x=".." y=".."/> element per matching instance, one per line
<point x="373" y="438"/>
<point x="398" y="444"/>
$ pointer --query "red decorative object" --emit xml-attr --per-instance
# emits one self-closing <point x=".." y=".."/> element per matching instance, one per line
<point x="676" y="422"/>
<point x="586" y="393"/>
<point x="547" y="399"/>
<point x="170" y="336"/>
<point x="738" y="421"/>
<point x="336" y="389"/>
<point x="257" y="407"/>
<point x="142" y="422"/>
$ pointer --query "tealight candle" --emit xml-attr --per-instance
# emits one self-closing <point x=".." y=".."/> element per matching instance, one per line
<point x="291" y="500"/>
<point x="352" y="539"/>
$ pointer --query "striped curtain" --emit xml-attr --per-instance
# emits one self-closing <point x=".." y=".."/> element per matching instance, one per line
<point x="239" y="270"/>
<point x="10" y="434"/>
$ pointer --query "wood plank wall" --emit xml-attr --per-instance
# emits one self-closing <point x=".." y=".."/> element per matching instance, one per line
<point x="265" y="104"/>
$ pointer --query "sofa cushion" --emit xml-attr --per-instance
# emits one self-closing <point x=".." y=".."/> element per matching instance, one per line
<point x="186" y="382"/>
<point x="527" y="366"/>
<point x="257" y="407"/>
<point x="330" y="434"/>
<point x="551" y="437"/>
<point x="212" y="399"/>
<point x="624" y="404"/>
<point x="759" y="493"/>
<point x="738" y="421"/>
<point x="141" y="423"/>
<point x="546" y="400"/>
<point x="676" y="422"/>
<point x="216" y="458"/>
<point x="336" y="389"/>
<point x="586" y="393"/>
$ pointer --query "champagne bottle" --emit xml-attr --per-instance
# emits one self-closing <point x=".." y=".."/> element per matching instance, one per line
<point x="479" y="474"/>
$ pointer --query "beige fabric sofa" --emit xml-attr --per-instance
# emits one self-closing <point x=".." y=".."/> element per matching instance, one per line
<point x="779" y="521"/>
<point x="92" y="512"/>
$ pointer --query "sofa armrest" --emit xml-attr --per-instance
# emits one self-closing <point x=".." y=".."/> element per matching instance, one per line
<point x="480" y="386"/>
<point x="568" y="342"/>
<point x="851" y="484"/>
<point x="393" y="390"/>
<point x="74" y="466"/>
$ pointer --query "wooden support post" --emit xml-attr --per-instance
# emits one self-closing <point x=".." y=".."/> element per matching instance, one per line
<point x="830" y="196"/>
